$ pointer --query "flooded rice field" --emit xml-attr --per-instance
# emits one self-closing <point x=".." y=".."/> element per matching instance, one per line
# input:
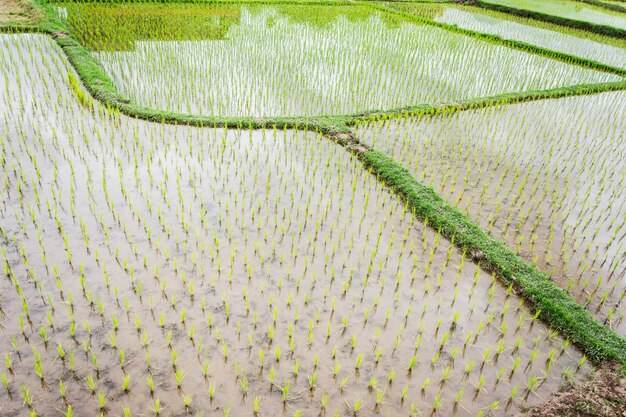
<point x="233" y="60"/>
<point x="154" y="269"/>
<point x="545" y="177"/>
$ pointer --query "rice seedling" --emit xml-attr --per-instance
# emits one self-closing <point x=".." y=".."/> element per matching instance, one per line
<point x="356" y="407"/>
<point x="211" y="391"/>
<point x="256" y="406"/>
<point x="38" y="364"/>
<point x="529" y="191"/>
<point x="26" y="396"/>
<point x="101" y="401"/>
<point x="6" y="384"/>
<point x="350" y="76"/>
<point x="280" y="220"/>
<point x="575" y="42"/>
<point x="126" y="383"/>
<point x="156" y="408"/>
<point x="68" y="412"/>
<point x="187" y="402"/>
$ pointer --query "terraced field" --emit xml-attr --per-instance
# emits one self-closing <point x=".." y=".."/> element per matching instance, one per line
<point x="295" y="209"/>
<point x="274" y="61"/>
<point x="571" y="10"/>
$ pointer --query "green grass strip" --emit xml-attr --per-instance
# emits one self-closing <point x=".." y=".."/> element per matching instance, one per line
<point x="511" y="43"/>
<point x="577" y="24"/>
<point x="607" y="6"/>
<point x="481" y="102"/>
<point x="556" y="307"/>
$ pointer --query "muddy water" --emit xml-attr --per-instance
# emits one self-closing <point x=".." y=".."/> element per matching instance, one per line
<point x="546" y="177"/>
<point x="190" y="251"/>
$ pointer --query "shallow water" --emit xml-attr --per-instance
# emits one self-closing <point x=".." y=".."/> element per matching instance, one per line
<point x="570" y="10"/>
<point x="550" y="39"/>
<point x="302" y="60"/>
<point x="237" y="235"/>
<point x="546" y="177"/>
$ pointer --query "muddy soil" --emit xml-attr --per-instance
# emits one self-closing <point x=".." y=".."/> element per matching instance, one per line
<point x="18" y="11"/>
<point x="604" y="395"/>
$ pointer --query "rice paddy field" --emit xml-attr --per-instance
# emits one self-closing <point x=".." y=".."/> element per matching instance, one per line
<point x="569" y="9"/>
<point x="274" y="61"/>
<point x="596" y="48"/>
<point x="550" y="190"/>
<point x="193" y="220"/>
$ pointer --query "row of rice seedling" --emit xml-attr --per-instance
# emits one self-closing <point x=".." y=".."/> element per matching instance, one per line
<point x="613" y="2"/>
<point x="596" y="48"/>
<point x="118" y="27"/>
<point x="546" y="177"/>
<point x="165" y="270"/>
<point x="570" y="10"/>
<point x="272" y="64"/>
<point x="614" y="5"/>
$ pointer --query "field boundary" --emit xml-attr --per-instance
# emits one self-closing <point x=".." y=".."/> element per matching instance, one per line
<point x="511" y="43"/>
<point x="556" y="308"/>
<point x="577" y="24"/>
<point x="607" y="6"/>
<point x="482" y="102"/>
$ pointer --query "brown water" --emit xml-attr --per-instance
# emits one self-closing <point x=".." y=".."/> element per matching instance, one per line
<point x="545" y="177"/>
<point x="247" y="234"/>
